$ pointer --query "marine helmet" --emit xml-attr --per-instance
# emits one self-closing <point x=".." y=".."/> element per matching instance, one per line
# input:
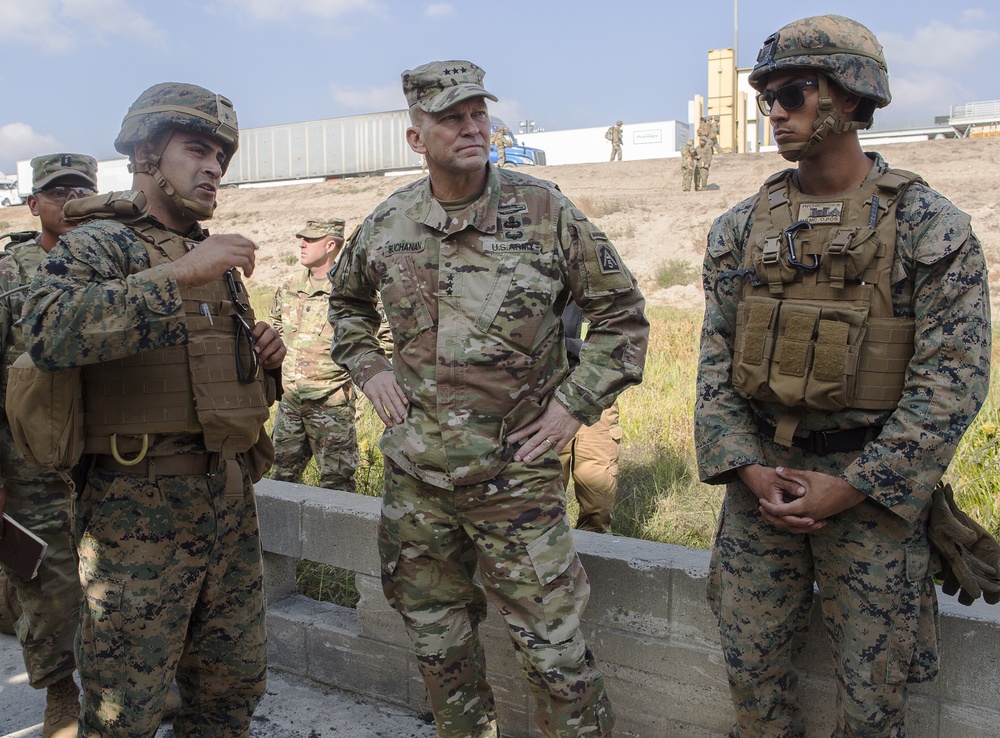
<point x="178" y="106"/>
<point x="839" y="49"/>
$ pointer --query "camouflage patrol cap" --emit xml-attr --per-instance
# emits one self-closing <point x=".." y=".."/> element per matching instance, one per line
<point x="437" y="86"/>
<point x="618" y="123"/>
<point x="838" y="47"/>
<point x="64" y="168"/>
<point x="320" y="228"/>
<point x="183" y="106"/>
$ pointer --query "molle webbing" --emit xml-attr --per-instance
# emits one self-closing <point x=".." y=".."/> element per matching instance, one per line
<point x="179" y="389"/>
<point x="818" y="331"/>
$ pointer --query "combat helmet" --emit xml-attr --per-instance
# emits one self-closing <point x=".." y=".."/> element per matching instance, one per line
<point x="178" y="106"/>
<point x="839" y="49"/>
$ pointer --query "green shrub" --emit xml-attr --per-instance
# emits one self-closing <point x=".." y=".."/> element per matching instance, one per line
<point x="676" y="272"/>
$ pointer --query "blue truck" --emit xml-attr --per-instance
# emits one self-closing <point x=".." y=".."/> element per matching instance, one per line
<point x="517" y="155"/>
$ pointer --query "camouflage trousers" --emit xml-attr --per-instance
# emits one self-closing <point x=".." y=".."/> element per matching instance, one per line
<point x="50" y="603"/>
<point x="501" y="155"/>
<point x="323" y="429"/>
<point x="591" y="459"/>
<point x="871" y="573"/>
<point x="701" y="178"/>
<point x="173" y="586"/>
<point x="513" y="530"/>
<point x="616" y="152"/>
<point x="687" y="177"/>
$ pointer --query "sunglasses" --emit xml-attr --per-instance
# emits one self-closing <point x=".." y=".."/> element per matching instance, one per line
<point x="62" y="193"/>
<point x="246" y="359"/>
<point x="791" y="96"/>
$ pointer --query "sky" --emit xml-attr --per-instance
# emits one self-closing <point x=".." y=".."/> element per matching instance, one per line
<point x="73" y="67"/>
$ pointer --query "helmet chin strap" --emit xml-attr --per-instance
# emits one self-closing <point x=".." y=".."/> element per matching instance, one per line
<point x="188" y="208"/>
<point x="828" y="120"/>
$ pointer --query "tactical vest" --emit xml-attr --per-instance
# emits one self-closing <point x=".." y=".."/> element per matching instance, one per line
<point x="815" y="329"/>
<point x="190" y="389"/>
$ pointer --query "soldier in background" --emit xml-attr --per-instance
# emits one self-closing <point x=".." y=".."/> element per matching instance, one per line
<point x="704" y="131"/>
<point x="499" y="139"/>
<point x="316" y="415"/>
<point x="830" y="462"/>
<point x="38" y="497"/>
<point x="704" y="156"/>
<point x="614" y="135"/>
<point x="474" y="265"/>
<point x="689" y="165"/>
<point x="591" y="458"/>
<point x="166" y="524"/>
<point x="714" y="123"/>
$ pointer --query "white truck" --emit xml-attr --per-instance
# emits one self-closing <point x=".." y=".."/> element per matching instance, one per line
<point x="8" y="191"/>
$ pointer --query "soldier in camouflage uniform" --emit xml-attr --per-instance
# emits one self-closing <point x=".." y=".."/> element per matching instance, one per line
<point x="704" y="163"/>
<point x="689" y="165"/>
<point x="474" y="265"/>
<point x="35" y="496"/>
<point x="316" y="413"/>
<point x="614" y="135"/>
<point x="499" y="139"/>
<point x="152" y="310"/>
<point x="845" y="351"/>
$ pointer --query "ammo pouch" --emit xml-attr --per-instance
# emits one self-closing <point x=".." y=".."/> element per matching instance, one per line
<point x="45" y="412"/>
<point x="125" y="206"/>
<point x="796" y="354"/>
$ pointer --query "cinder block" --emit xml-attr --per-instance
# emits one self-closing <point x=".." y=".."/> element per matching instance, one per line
<point x="279" y="508"/>
<point x="376" y="617"/>
<point x="963" y="721"/>
<point x="279" y="576"/>
<point x="354" y="518"/>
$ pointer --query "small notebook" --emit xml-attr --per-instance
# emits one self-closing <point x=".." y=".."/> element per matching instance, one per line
<point x="21" y="551"/>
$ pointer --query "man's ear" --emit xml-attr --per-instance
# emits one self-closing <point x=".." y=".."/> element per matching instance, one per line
<point x="415" y="141"/>
<point x="32" y="205"/>
<point x="142" y="151"/>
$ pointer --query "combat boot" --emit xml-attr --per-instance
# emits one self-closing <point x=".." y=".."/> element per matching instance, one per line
<point x="62" y="709"/>
<point x="10" y="608"/>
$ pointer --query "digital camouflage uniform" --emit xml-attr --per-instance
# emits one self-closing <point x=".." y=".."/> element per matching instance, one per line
<point x="170" y="563"/>
<point x="614" y="135"/>
<point x="39" y="499"/>
<point x="473" y="298"/>
<point x="871" y="561"/>
<point x="317" y="410"/>
<point x="689" y="165"/>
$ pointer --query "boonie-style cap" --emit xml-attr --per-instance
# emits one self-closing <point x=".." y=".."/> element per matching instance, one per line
<point x="436" y="86"/>
<point x="78" y="169"/>
<point x="320" y="228"/>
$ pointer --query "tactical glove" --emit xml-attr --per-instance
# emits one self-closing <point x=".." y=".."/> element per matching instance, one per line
<point x="969" y="557"/>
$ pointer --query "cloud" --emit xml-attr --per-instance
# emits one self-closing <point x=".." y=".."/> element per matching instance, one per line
<point x="938" y="45"/>
<point x="372" y="100"/>
<point x="60" y="25"/>
<point x="18" y="141"/>
<point x="928" y="94"/>
<point x="283" y="9"/>
<point x="436" y="10"/>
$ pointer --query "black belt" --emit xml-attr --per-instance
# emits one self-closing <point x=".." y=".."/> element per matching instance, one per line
<point x="827" y="442"/>
<point x="165" y="466"/>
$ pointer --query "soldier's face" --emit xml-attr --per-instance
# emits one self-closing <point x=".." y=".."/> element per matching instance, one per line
<point x="192" y="164"/>
<point x="314" y="252"/>
<point x="47" y="206"/>
<point x="456" y="140"/>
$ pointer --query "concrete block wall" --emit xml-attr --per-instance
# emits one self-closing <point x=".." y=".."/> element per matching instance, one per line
<point x="647" y="623"/>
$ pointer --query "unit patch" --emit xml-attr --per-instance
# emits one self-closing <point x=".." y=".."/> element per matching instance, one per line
<point x="608" y="259"/>
<point x="821" y="212"/>
<point x="403" y="247"/>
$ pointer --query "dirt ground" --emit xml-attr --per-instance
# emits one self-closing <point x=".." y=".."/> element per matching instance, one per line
<point x="639" y="204"/>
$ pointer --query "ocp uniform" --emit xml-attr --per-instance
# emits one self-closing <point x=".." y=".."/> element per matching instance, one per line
<point x="474" y="297"/>
<point x="839" y="405"/>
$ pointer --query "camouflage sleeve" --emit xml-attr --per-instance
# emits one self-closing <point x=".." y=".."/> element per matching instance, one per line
<point x="614" y="352"/>
<point x="94" y="299"/>
<point x="354" y="313"/>
<point x="275" y="312"/>
<point x="948" y="376"/>
<point x="724" y="432"/>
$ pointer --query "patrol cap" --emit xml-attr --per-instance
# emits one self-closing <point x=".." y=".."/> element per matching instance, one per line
<point x="72" y="168"/>
<point x="436" y="86"/>
<point x="618" y="123"/>
<point x="320" y="228"/>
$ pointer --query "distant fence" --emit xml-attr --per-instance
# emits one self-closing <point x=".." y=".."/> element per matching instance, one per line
<point x="647" y="623"/>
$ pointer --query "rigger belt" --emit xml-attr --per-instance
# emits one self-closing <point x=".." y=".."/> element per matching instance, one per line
<point x="822" y="442"/>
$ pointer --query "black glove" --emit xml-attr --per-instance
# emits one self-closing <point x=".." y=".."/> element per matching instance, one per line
<point x="969" y="557"/>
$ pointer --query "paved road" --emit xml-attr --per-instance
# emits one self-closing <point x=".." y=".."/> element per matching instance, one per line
<point x="293" y="708"/>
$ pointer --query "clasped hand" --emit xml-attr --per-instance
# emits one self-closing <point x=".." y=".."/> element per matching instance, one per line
<point x="799" y="501"/>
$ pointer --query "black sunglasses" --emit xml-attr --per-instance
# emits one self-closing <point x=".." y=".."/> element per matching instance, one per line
<point x="791" y="96"/>
<point x="246" y="359"/>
